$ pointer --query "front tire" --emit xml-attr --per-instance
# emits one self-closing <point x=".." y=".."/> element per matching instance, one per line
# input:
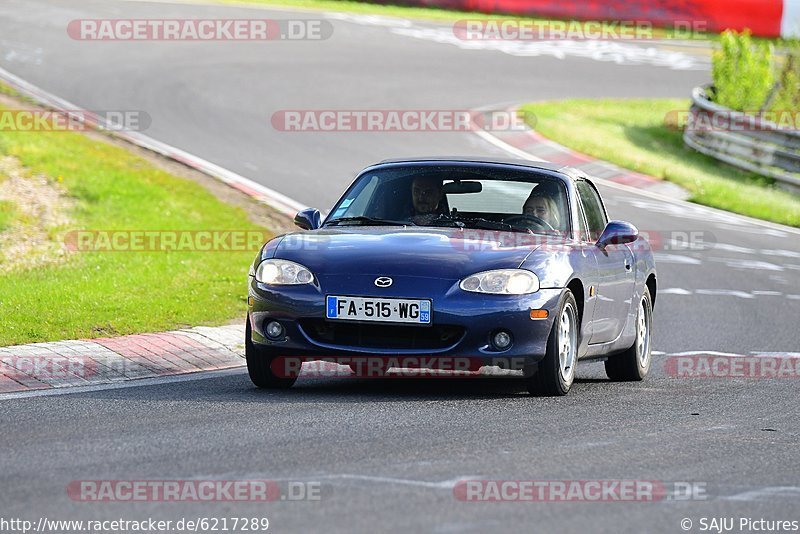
<point x="556" y="372"/>
<point x="259" y="364"/>
<point x="634" y="364"/>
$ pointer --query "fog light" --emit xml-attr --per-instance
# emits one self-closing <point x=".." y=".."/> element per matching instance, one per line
<point x="501" y="340"/>
<point x="274" y="330"/>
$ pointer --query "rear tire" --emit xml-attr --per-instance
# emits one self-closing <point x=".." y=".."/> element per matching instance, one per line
<point x="556" y="372"/>
<point x="259" y="364"/>
<point x="634" y="364"/>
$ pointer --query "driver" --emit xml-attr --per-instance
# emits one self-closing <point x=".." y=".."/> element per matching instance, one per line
<point x="541" y="205"/>
<point x="426" y="194"/>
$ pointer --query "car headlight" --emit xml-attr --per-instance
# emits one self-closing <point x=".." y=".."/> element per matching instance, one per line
<point x="502" y="282"/>
<point x="283" y="272"/>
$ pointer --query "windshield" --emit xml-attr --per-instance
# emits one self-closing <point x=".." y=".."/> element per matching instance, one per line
<point x="502" y="199"/>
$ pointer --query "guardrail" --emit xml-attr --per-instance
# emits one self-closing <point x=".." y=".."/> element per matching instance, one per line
<point x="753" y="144"/>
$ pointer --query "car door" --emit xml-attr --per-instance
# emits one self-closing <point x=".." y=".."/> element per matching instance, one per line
<point x="614" y="283"/>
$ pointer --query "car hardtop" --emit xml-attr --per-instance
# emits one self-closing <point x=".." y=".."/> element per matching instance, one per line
<point x="571" y="174"/>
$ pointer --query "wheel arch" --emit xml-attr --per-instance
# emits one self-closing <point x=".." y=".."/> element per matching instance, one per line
<point x="576" y="287"/>
<point x="652" y="285"/>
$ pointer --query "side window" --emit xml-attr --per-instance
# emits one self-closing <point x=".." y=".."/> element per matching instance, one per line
<point x="593" y="206"/>
<point x="583" y="231"/>
<point x="358" y="200"/>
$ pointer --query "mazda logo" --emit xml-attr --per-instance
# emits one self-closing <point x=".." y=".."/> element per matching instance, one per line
<point x="383" y="281"/>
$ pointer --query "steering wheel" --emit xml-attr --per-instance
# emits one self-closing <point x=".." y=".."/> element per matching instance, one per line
<point x="525" y="219"/>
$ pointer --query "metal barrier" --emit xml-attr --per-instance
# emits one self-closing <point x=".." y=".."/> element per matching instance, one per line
<point x="744" y="141"/>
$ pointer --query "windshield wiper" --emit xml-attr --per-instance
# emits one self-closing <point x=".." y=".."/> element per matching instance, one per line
<point x="367" y="220"/>
<point x="444" y="220"/>
<point x="486" y="224"/>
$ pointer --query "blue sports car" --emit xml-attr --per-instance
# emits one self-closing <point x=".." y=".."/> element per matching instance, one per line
<point x="456" y="263"/>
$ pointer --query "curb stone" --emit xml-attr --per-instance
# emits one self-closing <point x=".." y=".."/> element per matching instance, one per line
<point x="540" y="147"/>
<point x="85" y="362"/>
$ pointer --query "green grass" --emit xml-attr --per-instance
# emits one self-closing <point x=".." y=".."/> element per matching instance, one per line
<point x="93" y="294"/>
<point x="633" y="134"/>
<point x="7" y="212"/>
<point x="6" y="90"/>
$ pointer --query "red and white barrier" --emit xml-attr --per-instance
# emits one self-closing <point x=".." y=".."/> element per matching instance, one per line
<point x="766" y="18"/>
<point x="790" y="19"/>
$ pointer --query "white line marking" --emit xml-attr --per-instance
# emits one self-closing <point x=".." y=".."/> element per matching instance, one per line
<point x="781" y="252"/>
<point x="765" y="493"/>
<point x="188" y="377"/>
<point x="369" y="20"/>
<point x="506" y="147"/>
<point x="597" y="50"/>
<point x="679" y="244"/>
<point x="778" y="231"/>
<point x="734" y="248"/>
<point x="674" y="291"/>
<point x="748" y="264"/>
<point x="725" y="293"/>
<point x="444" y="484"/>
<point x="660" y="257"/>
<point x="704" y="353"/>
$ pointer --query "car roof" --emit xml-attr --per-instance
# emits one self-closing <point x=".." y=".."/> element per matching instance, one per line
<point x="535" y="165"/>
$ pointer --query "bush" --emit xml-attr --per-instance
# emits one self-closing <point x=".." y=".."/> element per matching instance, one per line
<point x="750" y="76"/>
<point x="787" y="97"/>
<point x="743" y="72"/>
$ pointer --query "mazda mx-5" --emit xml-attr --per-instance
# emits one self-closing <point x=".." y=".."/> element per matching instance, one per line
<point x="496" y="263"/>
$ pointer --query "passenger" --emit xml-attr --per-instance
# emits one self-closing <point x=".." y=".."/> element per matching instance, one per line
<point x="540" y="204"/>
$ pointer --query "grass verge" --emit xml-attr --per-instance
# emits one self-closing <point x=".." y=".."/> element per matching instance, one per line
<point x="6" y="213"/>
<point x="92" y="294"/>
<point x="634" y="134"/>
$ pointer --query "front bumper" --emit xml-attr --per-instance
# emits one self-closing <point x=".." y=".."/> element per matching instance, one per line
<point x="476" y="316"/>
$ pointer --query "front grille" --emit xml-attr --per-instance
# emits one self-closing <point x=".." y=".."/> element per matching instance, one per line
<point x="382" y="336"/>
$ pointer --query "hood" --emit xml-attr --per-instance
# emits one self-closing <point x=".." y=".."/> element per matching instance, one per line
<point x="450" y="253"/>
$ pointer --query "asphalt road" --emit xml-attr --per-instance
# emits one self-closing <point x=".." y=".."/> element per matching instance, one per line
<point x="387" y="453"/>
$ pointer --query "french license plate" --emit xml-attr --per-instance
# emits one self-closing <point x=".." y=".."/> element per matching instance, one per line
<point x="379" y="310"/>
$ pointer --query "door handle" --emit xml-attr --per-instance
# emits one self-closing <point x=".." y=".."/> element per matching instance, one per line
<point x="627" y="265"/>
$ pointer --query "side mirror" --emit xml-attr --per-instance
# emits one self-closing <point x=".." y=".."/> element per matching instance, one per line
<point x="308" y="219"/>
<point x="617" y="233"/>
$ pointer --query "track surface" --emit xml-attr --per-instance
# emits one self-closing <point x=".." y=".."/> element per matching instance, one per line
<point x="386" y="452"/>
